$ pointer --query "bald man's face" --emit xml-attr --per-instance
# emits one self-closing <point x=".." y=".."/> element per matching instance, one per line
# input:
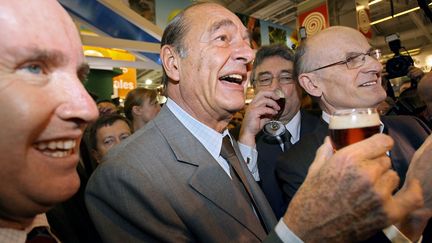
<point x="342" y="87"/>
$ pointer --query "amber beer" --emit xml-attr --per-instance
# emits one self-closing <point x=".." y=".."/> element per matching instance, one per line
<point x="350" y="126"/>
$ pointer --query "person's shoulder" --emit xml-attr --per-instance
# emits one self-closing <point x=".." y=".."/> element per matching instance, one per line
<point x="133" y="152"/>
<point x="405" y="123"/>
<point x="406" y="130"/>
<point x="310" y="120"/>
<point x="313" y="115"/>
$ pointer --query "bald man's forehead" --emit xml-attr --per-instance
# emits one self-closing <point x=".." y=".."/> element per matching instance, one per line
<point x="333" y="42"/>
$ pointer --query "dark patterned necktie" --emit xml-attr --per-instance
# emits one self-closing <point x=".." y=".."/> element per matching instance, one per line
<point x="238" y="176"/>
<point x="40" y="235"/>
<point x="228" y="153"/>
<point x="287" y="140"/>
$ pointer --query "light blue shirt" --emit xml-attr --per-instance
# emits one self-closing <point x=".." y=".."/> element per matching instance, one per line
<point x="208" y="137"/>
<point x="212" y="141"/>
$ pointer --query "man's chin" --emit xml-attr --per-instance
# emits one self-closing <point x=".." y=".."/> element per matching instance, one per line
<point x="59" y="192"/>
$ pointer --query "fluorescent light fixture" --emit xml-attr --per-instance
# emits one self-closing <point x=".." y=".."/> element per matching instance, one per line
<point x="373" y="2"/>
<point x="360" y="7"/>
<point x="396" y="15"/>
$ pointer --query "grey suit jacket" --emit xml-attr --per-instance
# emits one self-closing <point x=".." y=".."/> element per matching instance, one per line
<point x="161" y="185"/>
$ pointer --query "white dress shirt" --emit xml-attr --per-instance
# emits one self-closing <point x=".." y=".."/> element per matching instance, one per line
<point x="8" y="235"/>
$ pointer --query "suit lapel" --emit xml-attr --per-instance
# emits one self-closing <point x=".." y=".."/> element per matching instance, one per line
<point x="321" y="131"/>
<point x="308" y="123"/>
<point x="209" y="179"/>
<point x="400" y="155"/>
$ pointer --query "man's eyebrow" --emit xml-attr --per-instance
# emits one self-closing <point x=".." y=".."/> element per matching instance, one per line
<point x="351" y="53"/>
<point x="51" y="57"/>
<point x="263" y="73"/>
<point x="217" y="25"/>
<point x="82" y="72"/>
<point x="286" y="71"/>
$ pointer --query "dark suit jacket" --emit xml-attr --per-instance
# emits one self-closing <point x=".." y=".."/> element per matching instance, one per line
<point x="162" y="185"/>
<point x="408" y="133"/>
<point x="70" y="221"/>
<point x="268" y="151"/>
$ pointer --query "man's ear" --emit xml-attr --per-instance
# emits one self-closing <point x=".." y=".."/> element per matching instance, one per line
<point x="310" y="84"/>
<point x="170" y="60"/>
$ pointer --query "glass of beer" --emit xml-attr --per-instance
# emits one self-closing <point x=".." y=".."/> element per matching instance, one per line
<point x="353" y="125"/>
<point x="274" y="127"/>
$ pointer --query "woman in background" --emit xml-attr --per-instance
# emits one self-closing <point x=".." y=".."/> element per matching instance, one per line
<point x="141" y="106"/>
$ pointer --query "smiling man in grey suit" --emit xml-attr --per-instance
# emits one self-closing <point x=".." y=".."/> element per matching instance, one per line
<point x="170" y="181"/>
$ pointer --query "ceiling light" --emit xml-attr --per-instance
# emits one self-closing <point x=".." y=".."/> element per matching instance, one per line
<point x="373" y="2"/>
<point x="148" y="81"/>
<point x="396" y="15"/>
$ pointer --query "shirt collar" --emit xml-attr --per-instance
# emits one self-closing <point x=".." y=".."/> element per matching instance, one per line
<point x="208" y="137"/>
<point x="15" y="235"/>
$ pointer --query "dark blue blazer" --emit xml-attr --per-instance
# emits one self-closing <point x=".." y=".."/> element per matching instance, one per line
<point x="268" y="151"/>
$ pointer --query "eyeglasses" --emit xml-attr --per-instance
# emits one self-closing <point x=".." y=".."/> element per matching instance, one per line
<point x="266" y="79"/>
<point x="354" y="60"/>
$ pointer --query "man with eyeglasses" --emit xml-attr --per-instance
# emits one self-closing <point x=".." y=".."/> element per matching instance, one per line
<point x="272" y="69"/>
<point x="339" y="67"/>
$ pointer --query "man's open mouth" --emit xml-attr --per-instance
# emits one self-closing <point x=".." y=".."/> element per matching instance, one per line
<point x="371" y="83"/>
<point x="56" y="148"/>
<point x="232" y="78"/>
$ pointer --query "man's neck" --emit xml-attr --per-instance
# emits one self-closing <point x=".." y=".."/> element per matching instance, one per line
<point x="212" y="120"/>
<point x="21" y="224"/>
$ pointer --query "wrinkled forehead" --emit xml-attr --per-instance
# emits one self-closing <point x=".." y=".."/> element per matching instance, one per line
<point x="208" y="18"/>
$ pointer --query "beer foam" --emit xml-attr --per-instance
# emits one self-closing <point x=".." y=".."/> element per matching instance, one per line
<point x="354" y="121"/>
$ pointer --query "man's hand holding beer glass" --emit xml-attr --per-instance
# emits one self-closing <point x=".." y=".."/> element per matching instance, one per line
<point x="358" y="179"/>
<point x="354" y="125"/>
<point x="355" y="153"/>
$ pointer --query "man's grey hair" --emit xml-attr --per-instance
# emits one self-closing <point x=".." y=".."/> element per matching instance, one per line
<point x="174" y="35"/>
